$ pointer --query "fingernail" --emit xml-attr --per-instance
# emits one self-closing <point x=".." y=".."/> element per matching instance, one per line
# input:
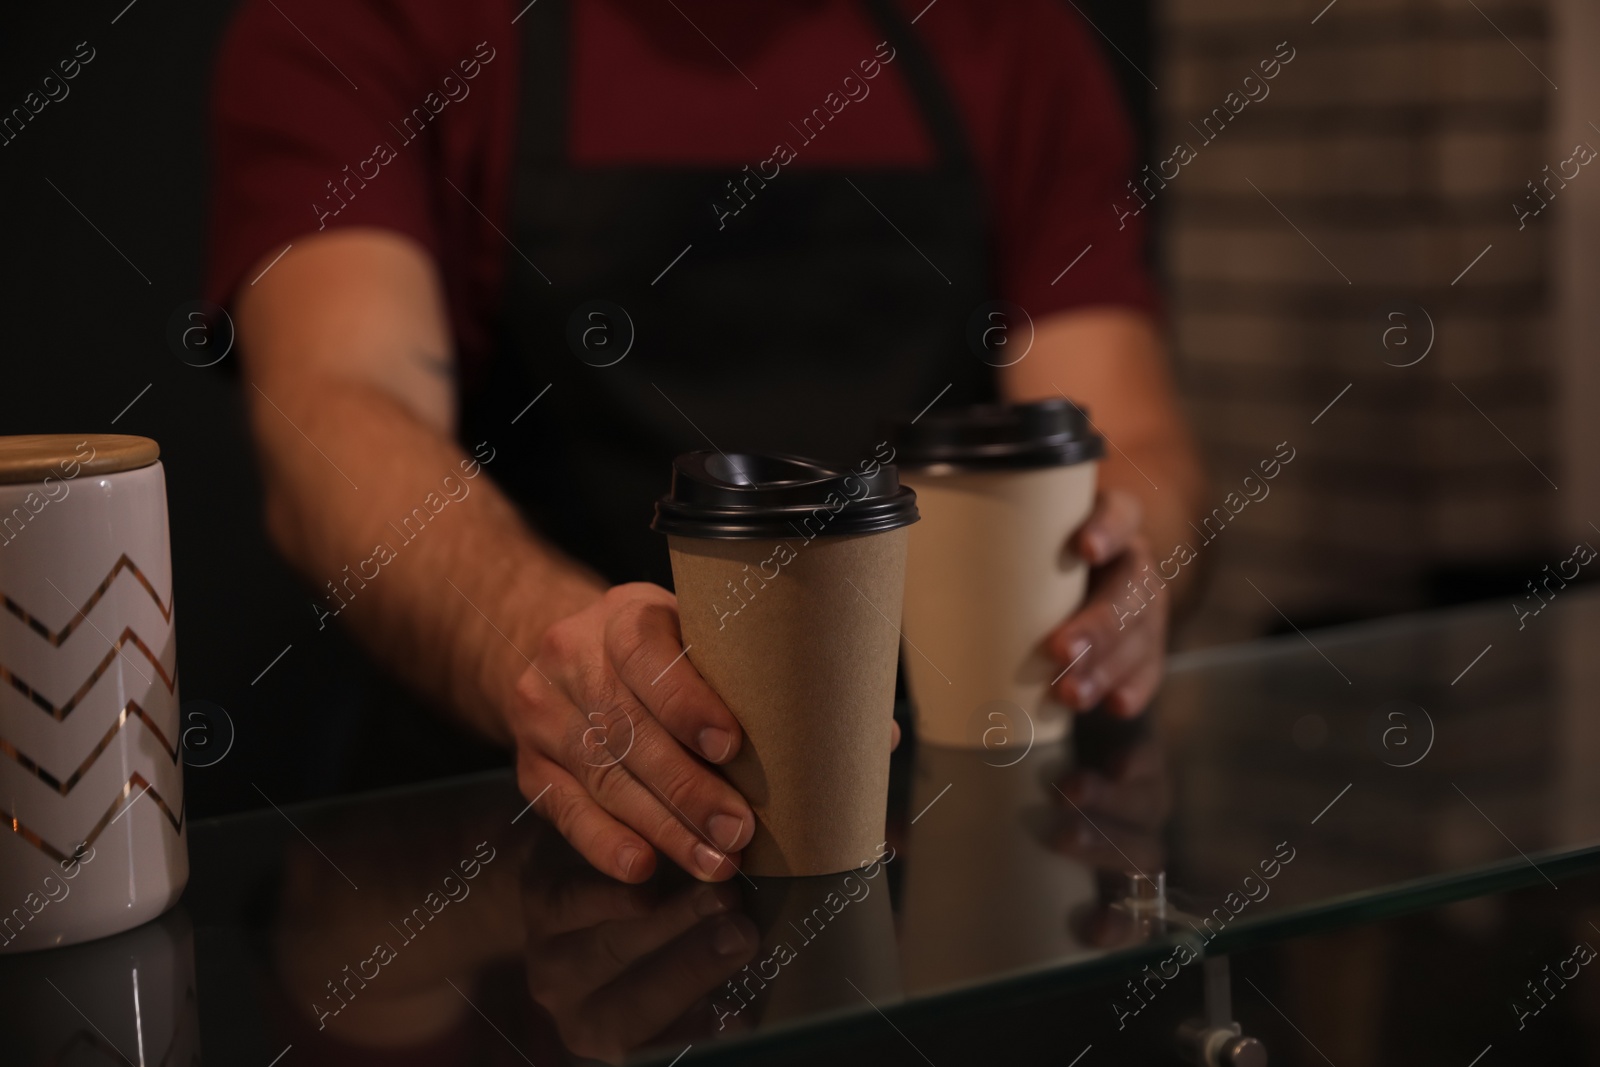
<point x="727" y="938"/>
<point x="715" y="744"/>
<point x="708" y="902"/>
<point x="1085" y="690"/>
<point x="727" y="831"/>
<point x="708" y="859"/>
<point x="628" y="856"/>
<point x="1077" y="647"/>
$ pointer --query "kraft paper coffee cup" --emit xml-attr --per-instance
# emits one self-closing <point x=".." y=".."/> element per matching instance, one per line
<point x="790" y="575"/>
<point x="1000" y="488"/>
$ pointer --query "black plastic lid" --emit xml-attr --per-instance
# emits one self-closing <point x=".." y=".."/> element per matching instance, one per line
<point x="743" y="496"/>
<point x="1046" y="433"/>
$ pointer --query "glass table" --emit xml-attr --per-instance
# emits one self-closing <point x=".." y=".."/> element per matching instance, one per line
<point x="1279" y="788"/>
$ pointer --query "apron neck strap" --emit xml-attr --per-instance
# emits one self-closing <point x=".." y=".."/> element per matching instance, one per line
<point x="546" y="81"/>
<point x="927" y="87"/>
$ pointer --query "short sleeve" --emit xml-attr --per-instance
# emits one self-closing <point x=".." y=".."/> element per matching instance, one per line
<point x="302" y="95"/>
<point x="1064" y="238"/>
<point x="394" y="114"/>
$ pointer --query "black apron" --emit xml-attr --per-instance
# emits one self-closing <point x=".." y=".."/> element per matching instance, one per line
<point x="802" y="324"/>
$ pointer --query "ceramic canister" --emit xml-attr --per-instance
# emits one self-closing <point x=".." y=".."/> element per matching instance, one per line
<point x="91" y="782"/>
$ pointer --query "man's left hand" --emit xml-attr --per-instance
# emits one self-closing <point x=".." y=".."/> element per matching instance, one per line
<point x="1116" y="643"/>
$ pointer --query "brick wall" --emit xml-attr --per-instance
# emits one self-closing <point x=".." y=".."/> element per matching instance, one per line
<point x="1384" y="159"/>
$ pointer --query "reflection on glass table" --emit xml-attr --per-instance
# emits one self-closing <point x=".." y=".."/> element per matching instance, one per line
<point x="1279" y="789"/>
<point x="126" y="998"/>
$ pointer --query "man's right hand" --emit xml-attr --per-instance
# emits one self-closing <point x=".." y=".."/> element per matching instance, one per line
<point x="614" y="732"/>
<point x="346" y="346"/>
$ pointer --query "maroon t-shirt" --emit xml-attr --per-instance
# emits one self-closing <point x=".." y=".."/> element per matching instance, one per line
<point x="401" y="114"/>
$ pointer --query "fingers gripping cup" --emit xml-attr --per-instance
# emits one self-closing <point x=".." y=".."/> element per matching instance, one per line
<point x="989" y="574"/>
<point x="789" y="576"/>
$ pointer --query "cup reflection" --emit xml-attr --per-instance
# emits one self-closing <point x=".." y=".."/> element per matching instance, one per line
<point x="1013" y="864"/>
<point x="826" y="943"/>
<point x="985" y="890"/>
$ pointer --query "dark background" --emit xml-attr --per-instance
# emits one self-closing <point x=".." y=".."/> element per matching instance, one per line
<point x="86" y="330"/>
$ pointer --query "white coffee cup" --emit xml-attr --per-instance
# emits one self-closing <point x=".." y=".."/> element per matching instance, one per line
<point x="91" y="776"/>
<point x="989" y="573"/>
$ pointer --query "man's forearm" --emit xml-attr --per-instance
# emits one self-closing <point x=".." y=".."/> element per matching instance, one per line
<point x="407" y="540"/>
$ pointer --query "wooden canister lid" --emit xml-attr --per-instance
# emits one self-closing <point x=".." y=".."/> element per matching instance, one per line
<point x="35" y="457"/>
